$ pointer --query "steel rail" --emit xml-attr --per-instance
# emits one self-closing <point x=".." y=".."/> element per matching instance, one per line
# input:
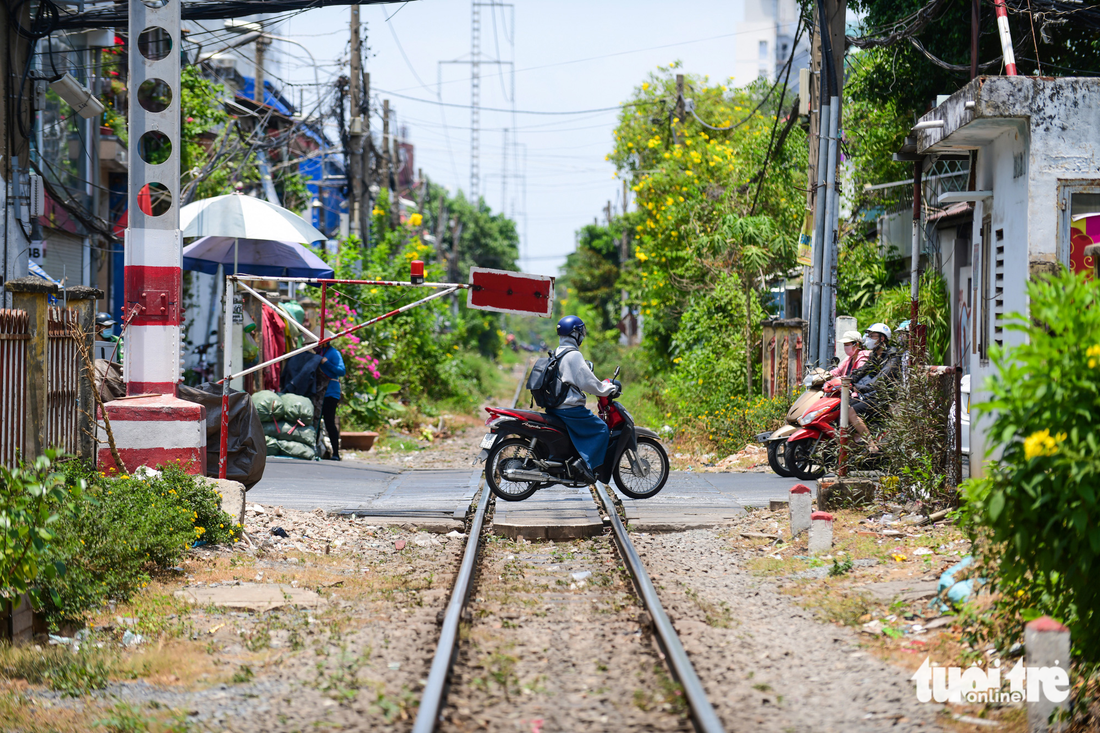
<point x="706" y="720"/>
<point x="431" y="703"/>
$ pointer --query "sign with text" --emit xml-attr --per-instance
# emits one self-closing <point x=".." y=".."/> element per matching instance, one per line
<point x="511" y="292"/>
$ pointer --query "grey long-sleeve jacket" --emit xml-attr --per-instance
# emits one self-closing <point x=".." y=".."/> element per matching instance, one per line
<point x="575" y="372"/>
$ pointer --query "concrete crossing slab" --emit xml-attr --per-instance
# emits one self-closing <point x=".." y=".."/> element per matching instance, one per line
<point x="555" y="513"/>
<point x="688" y="501"/>
<point x="434" y="500"/>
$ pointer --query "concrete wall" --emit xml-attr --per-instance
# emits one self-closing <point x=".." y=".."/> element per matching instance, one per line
<point x="1032" y="137"/>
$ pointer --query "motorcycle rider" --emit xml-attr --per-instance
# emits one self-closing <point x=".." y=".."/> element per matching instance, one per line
<point x="854" y="356"/>
<point x="587" y="431"/>
<point x="873" y="381"/>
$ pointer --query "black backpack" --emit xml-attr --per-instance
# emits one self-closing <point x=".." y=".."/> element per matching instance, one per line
<point x="547" y="389"/>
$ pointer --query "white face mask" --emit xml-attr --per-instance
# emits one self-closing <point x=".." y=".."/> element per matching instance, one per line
<point x="870" y="342"/>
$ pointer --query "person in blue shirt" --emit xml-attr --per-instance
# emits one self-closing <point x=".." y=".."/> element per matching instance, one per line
<point x="332" y="364"/>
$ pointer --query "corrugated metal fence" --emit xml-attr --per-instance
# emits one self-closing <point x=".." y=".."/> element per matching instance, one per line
<point x="62" y="377"/>
<point x="14" y="337"/>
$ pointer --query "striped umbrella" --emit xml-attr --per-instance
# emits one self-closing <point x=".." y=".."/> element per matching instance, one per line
<point x="244" y="217"/>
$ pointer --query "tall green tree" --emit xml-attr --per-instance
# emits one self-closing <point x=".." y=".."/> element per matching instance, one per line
<point x="592" y="271"/>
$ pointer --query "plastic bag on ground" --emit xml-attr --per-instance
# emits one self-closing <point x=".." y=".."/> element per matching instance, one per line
<point x="246" y="448"/>
<point x="268" y="404"/>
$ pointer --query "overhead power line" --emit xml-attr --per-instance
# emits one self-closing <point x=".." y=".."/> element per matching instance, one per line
<point x="515" y="111"/>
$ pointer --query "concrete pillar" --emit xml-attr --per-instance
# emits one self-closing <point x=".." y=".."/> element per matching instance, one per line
<point x="83" y="299"/>
<point x="1047" y="644"/>
<point x="821" y="532"/>
<point x="31" y="294"/>
<point x="157" y="427"/>
<point x="801" y="505"/>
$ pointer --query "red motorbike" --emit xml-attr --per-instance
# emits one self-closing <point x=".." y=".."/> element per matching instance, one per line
<point x="814" y="448"/>
<point x="526" y="450"/>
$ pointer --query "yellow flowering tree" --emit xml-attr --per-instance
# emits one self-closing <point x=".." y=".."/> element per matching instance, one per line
<point x="692" y="186"/>
<point x="1037" y="515"/>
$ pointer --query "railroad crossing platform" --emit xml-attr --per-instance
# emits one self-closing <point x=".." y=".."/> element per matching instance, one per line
<point x="438" y="500"/>
<point x="688" y="501"/>
<point x="556" y="513"/>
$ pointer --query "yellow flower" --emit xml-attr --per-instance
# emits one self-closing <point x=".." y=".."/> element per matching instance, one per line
<point x="642" y="256"/>
<point x="1042" y="443"/>
<point x="645" y="85"/>
<point x="416" y="220"/>
<point x="1094" y="356"/>
<point x="377" y="211"/>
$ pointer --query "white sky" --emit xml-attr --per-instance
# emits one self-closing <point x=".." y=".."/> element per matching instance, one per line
<point x="567" y="180"/>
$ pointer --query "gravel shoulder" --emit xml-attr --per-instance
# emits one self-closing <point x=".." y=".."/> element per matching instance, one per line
<point x="766" y="663"/>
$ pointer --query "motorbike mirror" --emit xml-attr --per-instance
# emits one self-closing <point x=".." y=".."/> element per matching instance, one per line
<point x="616" y="374"/>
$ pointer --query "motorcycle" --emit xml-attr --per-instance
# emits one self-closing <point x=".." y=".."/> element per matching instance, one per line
<point x="814" y="449"/>
<point x="526" y="450"/>
<point x="776" y="441"/>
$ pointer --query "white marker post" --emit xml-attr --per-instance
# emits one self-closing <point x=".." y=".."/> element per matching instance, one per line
<point x="821" y="532"/>
<point x="1047" y="645"/>
<point x="801" y="506"/>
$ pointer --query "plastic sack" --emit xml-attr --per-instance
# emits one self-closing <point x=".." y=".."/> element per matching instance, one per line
<point x="246" y="454"/>
<point x="268" y="404"/>
<point x="296" y="407"/>
<point x="293" y="449"/>
<point x="272" y="446"/>
<point x="291" y="431"/>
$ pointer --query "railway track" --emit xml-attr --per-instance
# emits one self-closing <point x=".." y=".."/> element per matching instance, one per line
<point x="558" y="633"/>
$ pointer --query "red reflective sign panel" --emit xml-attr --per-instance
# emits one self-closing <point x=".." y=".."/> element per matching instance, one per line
<point x="511" y="292"/>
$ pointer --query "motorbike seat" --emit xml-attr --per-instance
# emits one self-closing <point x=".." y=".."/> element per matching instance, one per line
<point x="554" y="420"/>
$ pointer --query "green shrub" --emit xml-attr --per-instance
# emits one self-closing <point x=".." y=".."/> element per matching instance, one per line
<point x="32" y="498"/>
<point x="71" y="672"/>
<point x="1036" y="516"/>
<point x="122" y="528"/>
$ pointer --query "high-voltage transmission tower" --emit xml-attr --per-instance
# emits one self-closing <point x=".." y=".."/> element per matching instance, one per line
<point x="475" y="61"/>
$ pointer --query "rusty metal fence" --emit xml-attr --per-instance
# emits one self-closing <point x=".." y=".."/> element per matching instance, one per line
<point x="14" y="336"/>
<point x="63" y="363"/>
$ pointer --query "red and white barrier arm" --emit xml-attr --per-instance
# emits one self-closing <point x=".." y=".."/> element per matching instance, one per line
<point x="329" y="281"/>
<point x="1006" y="37"/>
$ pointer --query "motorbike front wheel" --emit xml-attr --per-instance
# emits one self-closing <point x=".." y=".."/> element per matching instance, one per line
<point x="648" y="473"/>
<point x="801" y="460"/>
<point x="512" y="453"/>
<point x="777" y="458"/>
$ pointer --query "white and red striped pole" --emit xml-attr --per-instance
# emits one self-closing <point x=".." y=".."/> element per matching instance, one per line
<point x="1006" y="37"/>
<point x="153" y="257"/>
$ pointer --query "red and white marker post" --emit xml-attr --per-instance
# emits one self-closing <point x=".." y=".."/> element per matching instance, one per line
<point x="152" y="426"/>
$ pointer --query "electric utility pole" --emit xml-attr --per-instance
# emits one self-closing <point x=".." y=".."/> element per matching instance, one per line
<point x="261" y="48"/>
<point x="355" y="128"/>
<point x="827" y="78"/>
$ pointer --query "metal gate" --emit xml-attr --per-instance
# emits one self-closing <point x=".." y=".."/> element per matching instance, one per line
<point x="63" y="360"/>
<point x="14" y="335"/>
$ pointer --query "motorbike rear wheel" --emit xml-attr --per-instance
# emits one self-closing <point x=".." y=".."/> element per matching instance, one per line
<point x="801" y="460"/>
<point x="777" y="458"/>
<point x="510" y="453"/>
<point x="652" y="473"/>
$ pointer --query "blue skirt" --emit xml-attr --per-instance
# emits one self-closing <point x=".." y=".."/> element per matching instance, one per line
<point x="587" y="431"/>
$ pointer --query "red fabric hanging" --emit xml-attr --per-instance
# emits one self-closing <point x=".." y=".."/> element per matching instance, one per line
<point x="273" y="334"/>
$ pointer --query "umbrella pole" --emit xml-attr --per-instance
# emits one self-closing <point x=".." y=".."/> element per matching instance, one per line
<point x="236" y="252"/>
<point x="324" y="296"/>
<point x="223" y="448"/>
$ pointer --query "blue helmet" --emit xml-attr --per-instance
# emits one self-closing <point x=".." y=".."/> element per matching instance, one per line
<point x="572" y="326"/>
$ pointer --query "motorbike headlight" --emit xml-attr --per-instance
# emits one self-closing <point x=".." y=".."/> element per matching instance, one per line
<point x="809" y="417"/>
